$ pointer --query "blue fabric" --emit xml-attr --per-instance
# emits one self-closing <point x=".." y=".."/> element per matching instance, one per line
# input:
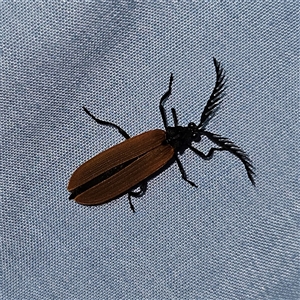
<point x="222" y="240"/>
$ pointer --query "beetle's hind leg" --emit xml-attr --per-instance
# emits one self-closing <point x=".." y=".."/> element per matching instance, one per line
<point x="140" y="193"/>
<point x="122" y="131"/>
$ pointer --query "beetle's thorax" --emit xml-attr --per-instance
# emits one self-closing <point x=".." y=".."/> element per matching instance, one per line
<point x="180" y="137"/>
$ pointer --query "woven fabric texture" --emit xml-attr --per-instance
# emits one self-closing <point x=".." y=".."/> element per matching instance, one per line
<point x="223" y="240"/>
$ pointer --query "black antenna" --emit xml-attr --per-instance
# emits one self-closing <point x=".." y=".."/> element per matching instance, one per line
<point x="217" y="94"/>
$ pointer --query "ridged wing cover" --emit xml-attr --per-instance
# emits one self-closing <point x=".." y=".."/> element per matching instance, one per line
<point x="116" y="155"/>
<point x="130" y="176"/>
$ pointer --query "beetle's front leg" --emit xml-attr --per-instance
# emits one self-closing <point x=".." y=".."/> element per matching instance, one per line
<point x="207" y="156"/>
<point x="163" y="100"/>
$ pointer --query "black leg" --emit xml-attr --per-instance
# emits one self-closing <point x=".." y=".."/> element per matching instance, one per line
<point x="130" y="203"/>
<point x="175" y="119"/>
<point x="122" y="131"/>
<point x="140" y="193"/>
<point x="183" y="174"/>
<point x="163" y="100"/>
<point x="206" y="156"/>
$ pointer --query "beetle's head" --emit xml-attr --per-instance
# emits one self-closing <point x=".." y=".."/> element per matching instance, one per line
<point x="195" y="132"/>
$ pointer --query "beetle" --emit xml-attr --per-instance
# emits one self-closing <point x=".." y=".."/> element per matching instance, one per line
<point x="129" y="165"/>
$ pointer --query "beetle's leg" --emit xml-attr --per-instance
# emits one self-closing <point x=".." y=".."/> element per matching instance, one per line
<point x="163" y="100"/>
<point x="130" y="203"/>
<point x="206" y="156"/>
<point x="183" y="174"/>
<point x="175" y="119"/>
<point x="122" y="131"/>
<point x="140" y="193"/>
